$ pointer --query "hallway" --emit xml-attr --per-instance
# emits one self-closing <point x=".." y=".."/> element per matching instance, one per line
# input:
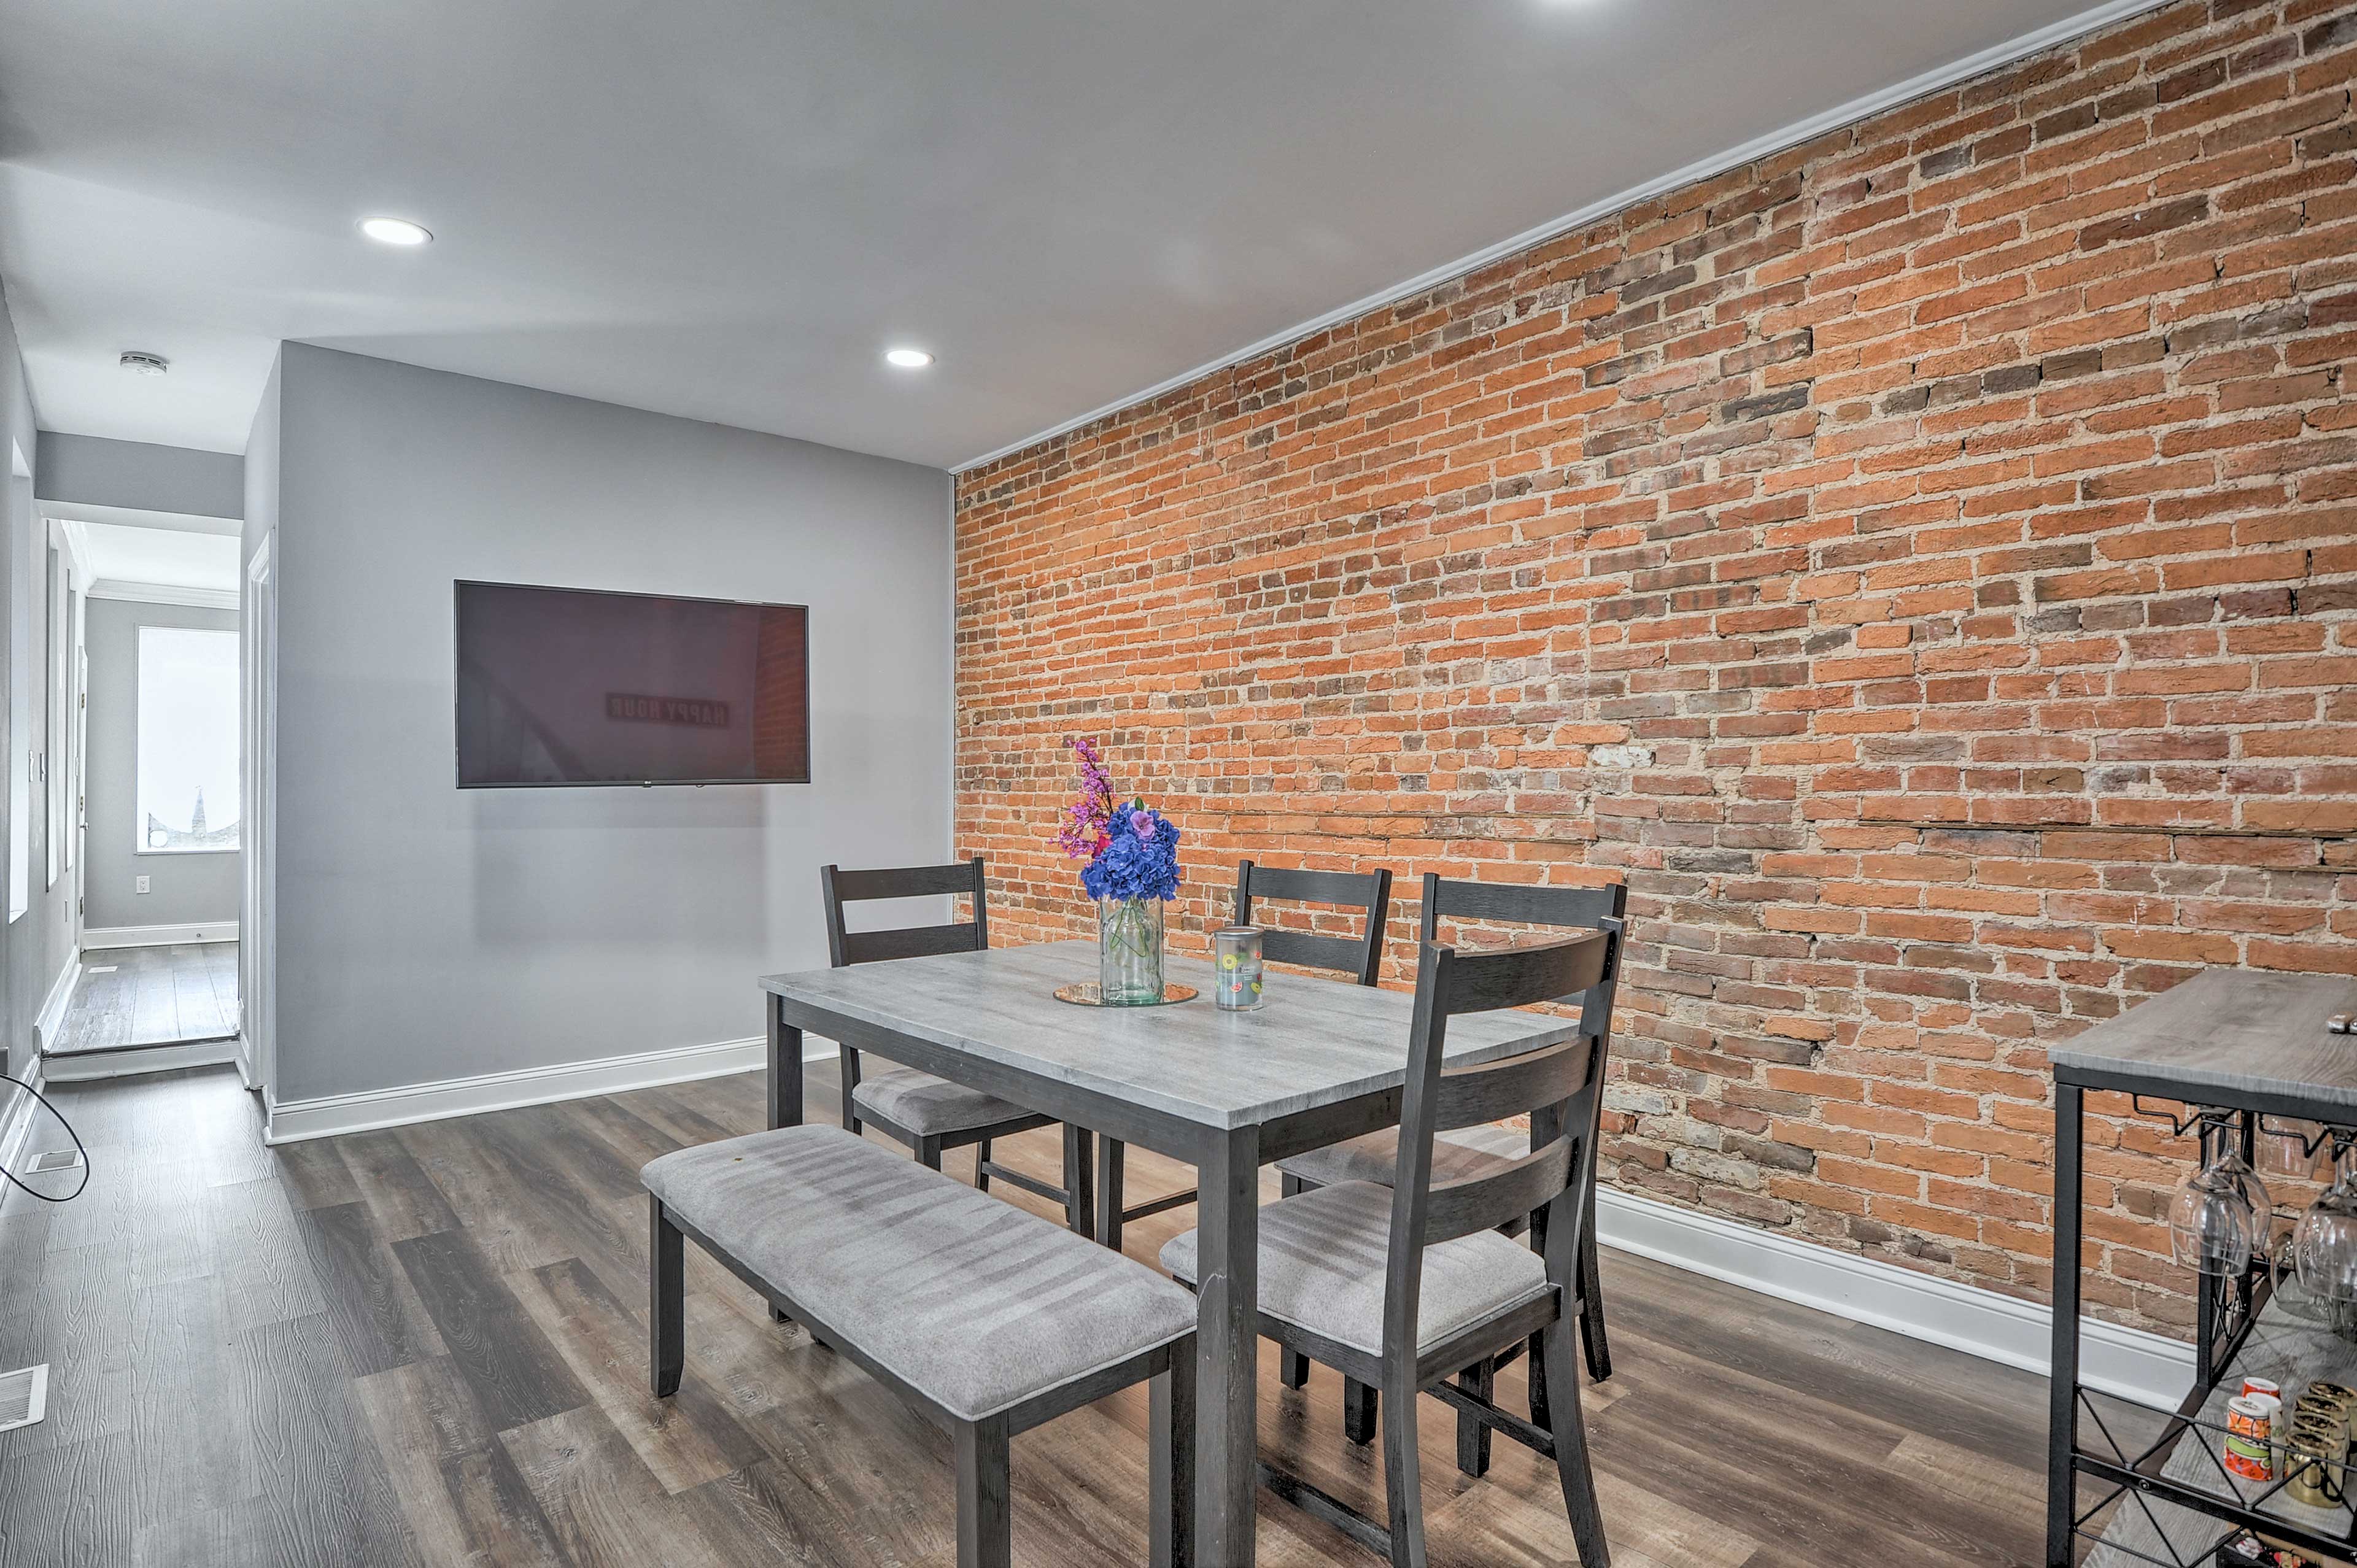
<point x="151" y="996"/>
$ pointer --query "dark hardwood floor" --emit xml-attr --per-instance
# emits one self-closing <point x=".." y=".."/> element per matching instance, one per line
<point x="151" y="996"/>
<point x="426" y="1347"/>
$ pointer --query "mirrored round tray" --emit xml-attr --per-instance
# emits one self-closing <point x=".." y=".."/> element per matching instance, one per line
<point x="1087" y="994"/>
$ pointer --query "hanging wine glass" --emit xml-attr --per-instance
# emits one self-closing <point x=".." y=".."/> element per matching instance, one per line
<point x="2283" y="1152"/>
<point x="2236" y="1169"/>
<point x="2212" y="1223"/>
<point x="2324" y="1248"/>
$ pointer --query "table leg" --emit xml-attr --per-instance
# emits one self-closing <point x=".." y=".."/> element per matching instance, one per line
<point x="1111" y="1160"/>
<point x="2062" y="1375"/>
<point x="785" y="1076"/>
<point x="1227" y="1347"/>
<point x="785" y="1068"/>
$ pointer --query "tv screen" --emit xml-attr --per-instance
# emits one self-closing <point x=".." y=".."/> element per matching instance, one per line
<point x="569" y="686"/>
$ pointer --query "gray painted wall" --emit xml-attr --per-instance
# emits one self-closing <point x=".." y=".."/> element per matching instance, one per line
<point x="426" y="933"/>
<point x="183" y="889"/>
<point x="34" y="949"/>
<point x="91" y="470"/>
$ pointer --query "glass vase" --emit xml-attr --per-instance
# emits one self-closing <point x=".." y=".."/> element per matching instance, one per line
<point x="1129" y="951"/>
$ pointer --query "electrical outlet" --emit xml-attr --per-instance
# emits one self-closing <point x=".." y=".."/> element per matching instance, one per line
<point x="140" y="885"/>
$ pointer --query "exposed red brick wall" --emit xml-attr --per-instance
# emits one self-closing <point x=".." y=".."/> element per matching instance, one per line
<point x="1922" y="563"/>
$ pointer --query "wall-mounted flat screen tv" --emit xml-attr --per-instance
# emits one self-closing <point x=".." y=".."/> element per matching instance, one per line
<point x="561" y="686"/>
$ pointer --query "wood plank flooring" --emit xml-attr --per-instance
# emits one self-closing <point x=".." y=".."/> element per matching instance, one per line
<point x="426" y="1347"/>
<point x="151" y="996"/>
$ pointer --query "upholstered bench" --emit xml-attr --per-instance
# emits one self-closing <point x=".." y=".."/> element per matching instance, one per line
<point x="985" y="1318"/>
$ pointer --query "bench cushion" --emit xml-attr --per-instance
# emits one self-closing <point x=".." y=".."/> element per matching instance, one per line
<point x="929" y="1106"/>
<point x="1321" y="1267"/>
<point x="1459" y="1153"/>
<point x="970" y="1301"/>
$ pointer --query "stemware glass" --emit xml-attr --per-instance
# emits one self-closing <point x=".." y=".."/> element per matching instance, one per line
<point x="2211" y="1224"/>
<point x="2324" y="1246"/>
<point x="2236" y="1169"/>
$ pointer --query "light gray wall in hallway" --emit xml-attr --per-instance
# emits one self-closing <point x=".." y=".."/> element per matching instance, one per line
<point x="36" y="947"/>
<point x="91" y="470"/>
<point x="184" y="890"/>
<point x="426" y="933"/>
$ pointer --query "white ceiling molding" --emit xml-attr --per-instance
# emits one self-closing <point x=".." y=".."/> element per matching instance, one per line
<point x="164" y="594"/>
<point x="1792" y="135"/>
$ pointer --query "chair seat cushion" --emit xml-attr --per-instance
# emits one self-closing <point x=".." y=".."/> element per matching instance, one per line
<point x="930" y="1106"/>
<point x="1321" y="1268"/>
<point x="975" y="1303"/>
<point x="1459" y="1153"/>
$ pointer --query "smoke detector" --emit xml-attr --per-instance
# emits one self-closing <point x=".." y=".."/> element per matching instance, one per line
<point x="141" y="363"/>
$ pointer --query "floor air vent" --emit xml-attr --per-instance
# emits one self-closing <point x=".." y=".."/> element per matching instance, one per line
<point x="24" y="1396"/>
<point x="49" y="1160"/>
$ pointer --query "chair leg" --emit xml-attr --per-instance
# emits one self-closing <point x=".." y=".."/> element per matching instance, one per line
<point x="1535" y="1363"/>
<point x="985" y="1536"/>
<point x="1591" y="1300"/>
<point x="1110" y="1169"/>
<point x="928" y="1151"/>
<point x="1292" y="1366"/>
<point x="1570" y="1432"/>
<point x="1480" y="1380"/>
<point x="1402" y="1479"/>
<point x="1591" y="1278"/>
<point x="1361" y="1406"/>
<point x="1170" y="1465"/>
<point x="982" y="1166"/>
<point x="1079" y="1181"/>
<point x="666" y="1301"/>
<point x="850" y="1063"/>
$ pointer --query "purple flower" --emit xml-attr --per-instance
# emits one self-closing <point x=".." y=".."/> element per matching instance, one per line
<point x="1142" y="825"/>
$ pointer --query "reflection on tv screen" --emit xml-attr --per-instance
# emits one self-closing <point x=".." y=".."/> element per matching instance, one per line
<point x="567" y="686"/>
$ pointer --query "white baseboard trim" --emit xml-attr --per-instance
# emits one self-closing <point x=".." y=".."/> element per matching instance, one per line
<point x="97" y="937"/>
<point x="293" y="1120"/>
<point x="83" y="1067"/>
<point x="2134" y="1365"/>
<point x="52" y="1015"/>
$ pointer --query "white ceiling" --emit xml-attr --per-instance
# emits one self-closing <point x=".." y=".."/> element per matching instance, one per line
<point x="170" y="558"/>
<point x="727" y="208"/>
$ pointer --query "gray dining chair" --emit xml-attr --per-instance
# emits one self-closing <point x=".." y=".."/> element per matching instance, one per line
<point x="1405" y="1285"/>
<point x="1473" y="1151"/>
<point x="1368" y="894"/>
<point x="931" y="1114"/>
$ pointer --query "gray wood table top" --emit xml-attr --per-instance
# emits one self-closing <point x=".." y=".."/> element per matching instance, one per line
<point x="2235" y="1033"/>
<point x="1315" y="1042"/>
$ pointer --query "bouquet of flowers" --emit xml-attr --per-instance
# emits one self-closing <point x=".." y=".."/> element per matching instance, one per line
<point x="1131" y="850"/>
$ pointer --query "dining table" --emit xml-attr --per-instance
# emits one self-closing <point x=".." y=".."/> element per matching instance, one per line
<point x="1320" y="1061"/>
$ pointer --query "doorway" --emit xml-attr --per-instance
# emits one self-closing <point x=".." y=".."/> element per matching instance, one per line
<point x="156" y="794"/>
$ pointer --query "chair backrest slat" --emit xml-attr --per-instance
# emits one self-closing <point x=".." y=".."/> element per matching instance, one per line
<point x="915" y="941"/>
<point x="1369" y="893"/>
<point x="1485" y="1202"/>
<point x="1313" y="951"/>
<point x="968" y="877"/>
<point x="906" y="881"/>
<point x="1518" y="905"/>
<point x="1517" y="977"/>
<point x="1474" y="1096"/>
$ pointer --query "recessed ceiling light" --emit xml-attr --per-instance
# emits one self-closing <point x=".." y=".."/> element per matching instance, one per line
<point x="908" y="359"/>
<point x="394" y="231"/>
<point x="141" y="363"/>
